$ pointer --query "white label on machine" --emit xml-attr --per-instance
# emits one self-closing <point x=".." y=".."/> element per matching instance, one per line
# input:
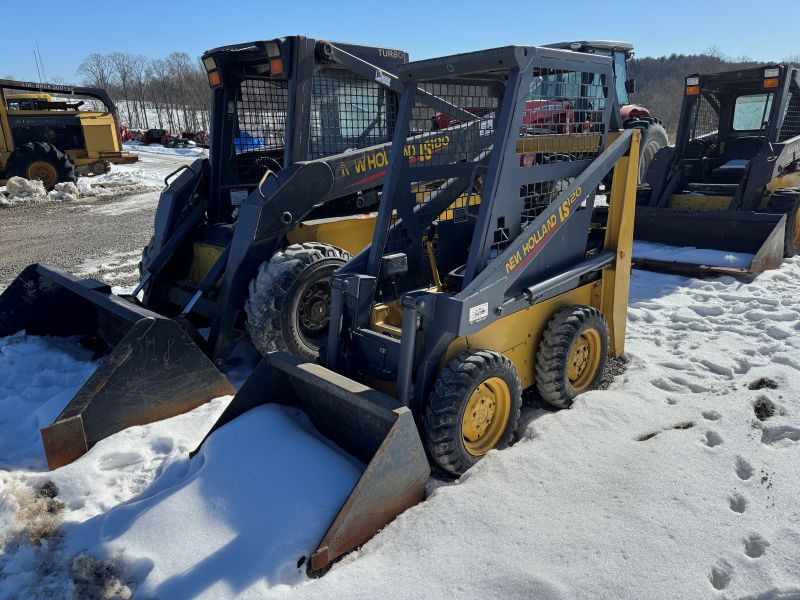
<point x="237" y="196"/>
<point x="382" y="77"/>
<point x="478" y="313"/>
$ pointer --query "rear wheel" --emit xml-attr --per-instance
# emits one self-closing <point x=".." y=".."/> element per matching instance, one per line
<point x="653" y="139"/>
<point x="572" y="355"/>
<point x="289" y="303"/>
<point x="474" y="408"/>
<point x="37" y="160"/>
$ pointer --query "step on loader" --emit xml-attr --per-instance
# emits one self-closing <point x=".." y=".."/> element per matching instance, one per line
<point x="243" y="244"/>
<point x="490" y="272"/>
<point x="731" y="182"/>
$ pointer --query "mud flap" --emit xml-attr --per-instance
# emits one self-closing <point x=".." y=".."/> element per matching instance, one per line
<point x="370" y="426"/>
<point x="759" y="234"/>
<point x="150" y="368"/>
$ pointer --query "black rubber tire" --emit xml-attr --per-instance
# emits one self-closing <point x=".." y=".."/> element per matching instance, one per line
<point x="653" y="139"/>
<point x="787" y="201"/>
<point x="147" y="256"/>
<point x="27" y="154"/>
<point x="271" y="309"/>
<point x="555" y="348"/>
<point x="444" y="410"/>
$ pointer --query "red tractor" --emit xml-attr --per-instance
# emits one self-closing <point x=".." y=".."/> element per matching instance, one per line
<point x="654" y="136"/>
<point x="580" y="95"/>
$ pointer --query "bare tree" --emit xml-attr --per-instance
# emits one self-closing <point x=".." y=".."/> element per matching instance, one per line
<point x="96" y="70"/>
<point x="173" y="91"/>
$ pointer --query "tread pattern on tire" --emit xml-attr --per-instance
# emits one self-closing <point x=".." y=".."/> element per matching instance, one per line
<point x="147" y="256"/>
<point x="552" y="353"/>
<point x="454" y="385"/>
<point x="26" y="153"/>
<point x="269" y="289"/>
<point x="655" y="132"/>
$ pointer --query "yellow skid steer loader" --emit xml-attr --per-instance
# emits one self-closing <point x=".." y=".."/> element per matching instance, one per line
<point x="490" y="272"/>
<point x="726" y="197"/>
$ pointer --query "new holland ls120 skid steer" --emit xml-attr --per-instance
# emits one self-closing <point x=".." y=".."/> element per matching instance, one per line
<point x="244" y="242"/>
<point x="490" y="272"/>
<point x="731" y="182"/>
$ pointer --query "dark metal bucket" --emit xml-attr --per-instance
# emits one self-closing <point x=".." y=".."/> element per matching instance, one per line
<point x="370" y="426"/>
<point x="759" y="234"/>
<point x="151" y="369"/>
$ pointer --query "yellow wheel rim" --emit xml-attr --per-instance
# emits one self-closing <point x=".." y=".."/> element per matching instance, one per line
<point x="584" y="360"/>
<point x="44" y="172"/>
<point x="486" y="416"/>
<point x="796" y="227"/>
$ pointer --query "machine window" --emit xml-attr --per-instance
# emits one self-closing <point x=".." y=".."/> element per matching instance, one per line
<point x="750" y="113"/>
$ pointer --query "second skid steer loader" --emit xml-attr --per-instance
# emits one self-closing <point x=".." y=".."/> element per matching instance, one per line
<point x="731" y="183"/>
<point x="244" y="242"/>
<point x="490" y="272"/>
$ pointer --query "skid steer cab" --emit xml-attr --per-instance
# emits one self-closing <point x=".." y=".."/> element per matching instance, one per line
<point x="490" y="272"/>
<point x="53" y="139"/>
<point x="731" y="182"/>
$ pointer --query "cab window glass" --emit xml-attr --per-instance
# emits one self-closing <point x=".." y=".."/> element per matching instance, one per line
<point x="751" y="112"/>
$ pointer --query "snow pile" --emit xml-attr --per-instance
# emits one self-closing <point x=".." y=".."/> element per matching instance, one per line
<point x="679" y="480"/>
<point x="21" y="190"/>
<point x="103" y="187"/>
<point x="117" y="183"/>
<point x="64" y="192"/>
<point x="39" y="376"/>
<point x="291" y="487"/>
<point x="140" y="148"/>
<point x="691" y="255"/>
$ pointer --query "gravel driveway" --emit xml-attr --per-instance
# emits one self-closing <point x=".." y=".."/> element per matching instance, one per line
<point x="101" y="238"/>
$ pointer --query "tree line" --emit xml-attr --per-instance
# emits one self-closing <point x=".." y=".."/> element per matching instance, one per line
<point x="172" y="93"/>
<point x="166" y="93"/>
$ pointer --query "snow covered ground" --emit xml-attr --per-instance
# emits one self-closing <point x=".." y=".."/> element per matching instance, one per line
<point x="140" y="148"/>
<point x="679" y="481"/>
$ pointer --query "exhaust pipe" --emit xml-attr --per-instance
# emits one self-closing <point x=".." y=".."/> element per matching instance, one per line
<point x="372" y="427"/>
<point x="151" y="369"/>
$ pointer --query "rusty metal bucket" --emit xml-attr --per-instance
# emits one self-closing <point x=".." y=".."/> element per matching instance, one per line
<point x="374" y="428"/>
<point x="759" y="234"/>
<point x="150" y="369"/>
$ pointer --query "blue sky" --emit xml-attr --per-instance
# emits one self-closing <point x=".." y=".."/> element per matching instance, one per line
<point x="766" y="30"/>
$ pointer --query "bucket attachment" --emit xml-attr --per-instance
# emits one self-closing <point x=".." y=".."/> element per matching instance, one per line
<point x="758" y="234"/>
<point x="151" y="369"/>
<point x="374" y="428"/>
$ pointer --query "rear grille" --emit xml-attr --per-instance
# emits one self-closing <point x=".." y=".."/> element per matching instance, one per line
<point x="260" y="133"/>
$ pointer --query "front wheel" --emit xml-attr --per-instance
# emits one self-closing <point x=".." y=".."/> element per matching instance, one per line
<point x="290" y="299"/>
<point x="38" y="160"/>
<point x="474" y="408"/>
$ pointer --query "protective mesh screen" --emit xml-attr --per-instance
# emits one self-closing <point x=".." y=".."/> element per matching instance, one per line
<point x="704" y="116"/>
<point x="563" y="117"/>
<point x="349" y="112"/>
<point x="562" y="122"/>
<point x="451" y="122"/>
<point x="791" y="121"/>
<point x="260" y="131"/>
